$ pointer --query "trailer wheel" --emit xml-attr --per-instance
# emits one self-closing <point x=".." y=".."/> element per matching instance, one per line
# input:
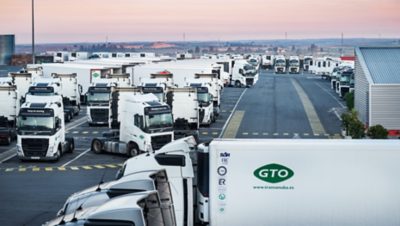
<point x="133" y="150"/>
<point x="97" y="146"/>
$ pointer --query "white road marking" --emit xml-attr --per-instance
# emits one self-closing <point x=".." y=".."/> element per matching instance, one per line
<point x="230" y="116"/>
<point x="76" y="158"/>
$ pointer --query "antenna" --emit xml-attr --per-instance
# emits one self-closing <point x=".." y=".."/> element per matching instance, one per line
<point x="101" y="181"/>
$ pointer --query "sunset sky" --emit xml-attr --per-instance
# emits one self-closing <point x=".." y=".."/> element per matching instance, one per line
<point x="167" y="20"/>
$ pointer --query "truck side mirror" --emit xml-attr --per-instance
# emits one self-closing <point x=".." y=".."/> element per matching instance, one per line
<point x="241" y="71"/>
<point x="60" y="212"/>
<point x="58" y="123"/>
<point x="80" y="89"/>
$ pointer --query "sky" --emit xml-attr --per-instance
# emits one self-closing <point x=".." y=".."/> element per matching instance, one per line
<point x="167" y="20"/>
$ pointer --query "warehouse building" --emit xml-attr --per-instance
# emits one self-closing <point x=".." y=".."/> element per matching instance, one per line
<point x="377" y="87"/>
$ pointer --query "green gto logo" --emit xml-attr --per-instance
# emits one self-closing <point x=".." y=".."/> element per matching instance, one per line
<point x="273" y="173"/>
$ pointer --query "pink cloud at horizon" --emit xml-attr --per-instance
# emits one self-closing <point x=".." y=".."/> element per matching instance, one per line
<point x="151" y="20"/>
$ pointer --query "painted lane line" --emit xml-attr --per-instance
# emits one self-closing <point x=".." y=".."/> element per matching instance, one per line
<point x="309" y="109"/>
<point x="330" y="94"/>
<point x="234" y="124"/>
<point x="230" y="116"/>
<point x="77" y="157"/>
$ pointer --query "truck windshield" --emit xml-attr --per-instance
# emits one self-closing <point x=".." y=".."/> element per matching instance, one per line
<point x="203" y="97"/>
<point x="294" y="62"/>
<point x="345" y="79"/>
<point x="98" y="97"/>
<point x="35" y="123"/>
<point x="280" y="62"/>
<point x="156" y="121"/>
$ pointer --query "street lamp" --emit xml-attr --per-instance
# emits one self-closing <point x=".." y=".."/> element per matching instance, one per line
<point x="33" y="31"/>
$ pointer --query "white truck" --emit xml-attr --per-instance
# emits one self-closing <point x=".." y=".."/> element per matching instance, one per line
<point x="146" y="124"/>
<point x="294" y="65"/>
<point x="41" y="129"/>
<point x="53" y="87"/>
<point x="284" y="181"/>
<point x="9" y="109"/>
<point x="280" y="64"/>
<point x="267" y="61"/>
<point x="153" y="180"/>
<point x="214" y="87"/>
<point x="205" y="103"/>
<point x="136" y="209"/>
<point x="345" y="82"/>
<point x="157" y="84"/>
<point x="244" y="74"/>
<point x="98" y="98"/>
<point x="307" y="62"/>
<point x="185" y="111"/>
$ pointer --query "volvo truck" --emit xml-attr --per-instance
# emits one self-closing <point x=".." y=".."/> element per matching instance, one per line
<point x="146" y="124"/>
<point x="280" y="64"/>
<point x="294" y="65"/>
<point x="9" y="100"/>
<point x="284" y="181"/>
<point x="41" y="129"/>
<point x="346" y="81"/>
<point x="205" y="104"/>
<point x="307" y="62"/>
<point x="243" y="74"/>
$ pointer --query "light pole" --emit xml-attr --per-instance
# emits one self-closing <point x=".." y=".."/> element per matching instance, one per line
<point x="33" y="31"/>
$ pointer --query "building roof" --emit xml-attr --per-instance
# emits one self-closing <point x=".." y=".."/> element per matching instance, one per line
<point x="348" y="58"/>
<point x="380" y="64"/>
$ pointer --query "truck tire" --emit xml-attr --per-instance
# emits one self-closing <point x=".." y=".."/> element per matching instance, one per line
<point x="67" y="117"/>
<point x="238" y="84"/>
<point x="8" y="141"/>
<point x="97" y="146"/>
<point x="58" y="154"/>
<point x="132" y="150"/>
<point x="71" y="144"/>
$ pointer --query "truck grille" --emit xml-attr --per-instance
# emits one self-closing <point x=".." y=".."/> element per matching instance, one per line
<point x="158" y="142"/>
<point x="249" y="81"/>
<point x="99" y="115"/>
<point x="35" y="147"/>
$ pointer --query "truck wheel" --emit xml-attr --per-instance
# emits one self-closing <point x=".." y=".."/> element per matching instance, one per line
<point x="132" y="150"/>
<point x="97" y="146"/>
<point x="58" y="155"/>
<point x="8" y="141"/>
<point x="238" y="84"/>
<point x="68" y="118"/>
<point x="71" y="146"/>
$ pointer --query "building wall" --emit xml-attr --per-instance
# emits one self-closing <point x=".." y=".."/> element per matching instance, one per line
<point x="385" y="106"/>
<point x="361" y="87"/>
<point x="7" y="48"/>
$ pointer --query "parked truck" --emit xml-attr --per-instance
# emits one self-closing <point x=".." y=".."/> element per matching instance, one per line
<point x="137" y="209"/>
<point x="205" y="103"/>
<point x="307" y="62"/>
<point x="146" y="124"/>
<point x="285" y="182"/>
<point x="71" y="91"/>
<point x="346" y="82"/>
<point x="244" y="74"/>
<point x="294" y="65"/>
<point x="280" y="64"/>
<point x="214" y="87"/>
<point x="22" y="81"/>
<point x="9" y="109"/>
<point x="41" y="129"/>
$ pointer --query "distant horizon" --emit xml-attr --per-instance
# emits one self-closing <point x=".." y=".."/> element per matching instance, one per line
<point x="71" y="21"/>
<point x="205" y="41"/>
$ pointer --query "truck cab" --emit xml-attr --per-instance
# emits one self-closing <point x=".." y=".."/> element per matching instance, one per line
<point x="344" y="85"/>
<point x="41" y="129"/>
<point x="307" y="62"/>
<point x="146" y="124"/>
<point x="98" y="103"/>
<point x="280" y="64"/>
<point x="205" y="103"/>
<point x="157" y="84"/>
<point x="294" y="64"/>
<point x="244" y="74"/>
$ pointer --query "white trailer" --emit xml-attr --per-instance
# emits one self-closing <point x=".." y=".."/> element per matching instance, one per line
<point x="284" y="181"/>
<point x="22" y="81"/>
<point x="73" y="56"/>
<point x="307" y="62"/>
<point x="9" y="109"/>
<point x="267" y="61"/>
<point x="85" y="73"/>
<point x="60" y="57"/>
